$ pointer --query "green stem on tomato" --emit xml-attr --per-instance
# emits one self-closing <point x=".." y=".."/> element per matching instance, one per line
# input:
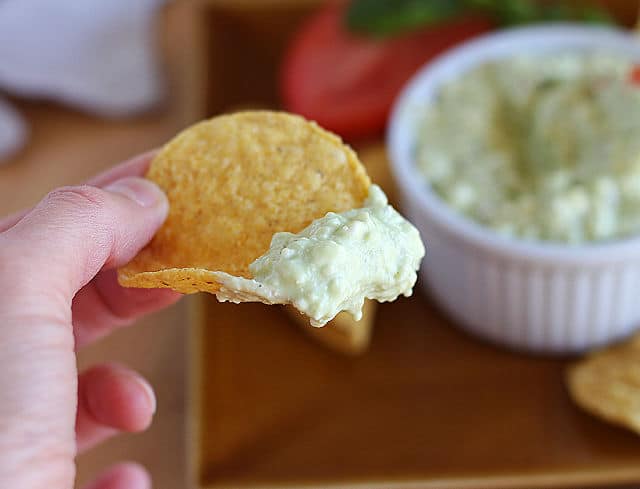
<point x="387" y="18"/>
<point x="382" y="18"/>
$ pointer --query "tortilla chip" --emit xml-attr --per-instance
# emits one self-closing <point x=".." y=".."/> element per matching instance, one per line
<point x="232" y="182"/>
<point x="343" y="333"/>
<point x="607" y="384"/>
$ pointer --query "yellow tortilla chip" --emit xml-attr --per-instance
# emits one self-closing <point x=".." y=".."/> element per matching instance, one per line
<point x="343" y="333"/>
<point x="232" y="182"/>
<point x="607" y="384"/>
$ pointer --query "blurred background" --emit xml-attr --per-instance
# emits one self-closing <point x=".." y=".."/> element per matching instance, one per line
<point x="84" y="85"/>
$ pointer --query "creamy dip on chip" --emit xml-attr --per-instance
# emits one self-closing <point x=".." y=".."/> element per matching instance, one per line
<point x="541" y="147"/>
<point x="334" y="263"/>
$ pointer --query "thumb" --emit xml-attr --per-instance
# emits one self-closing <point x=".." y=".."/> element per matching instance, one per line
<point x="74" y="232"/>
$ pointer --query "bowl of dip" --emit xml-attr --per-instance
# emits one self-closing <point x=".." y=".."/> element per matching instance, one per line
<point x="517" y="156"/>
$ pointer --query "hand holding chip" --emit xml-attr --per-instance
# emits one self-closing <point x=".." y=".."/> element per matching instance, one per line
<point x="58" y="293"/>
<point x="283" y="183"/>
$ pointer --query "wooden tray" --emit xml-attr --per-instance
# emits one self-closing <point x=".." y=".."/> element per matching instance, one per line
<point x="428" y="406"/>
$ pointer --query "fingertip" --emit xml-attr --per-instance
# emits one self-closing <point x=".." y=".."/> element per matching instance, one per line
<point x="117" y="397"/>
<point x="90" y="228"/>
<point x="126" y="475"/>
<point x="146" y="391"/>
<point x="136" y="399"/>
<point x="135" y="475"/>
<point x="141" y="191"/>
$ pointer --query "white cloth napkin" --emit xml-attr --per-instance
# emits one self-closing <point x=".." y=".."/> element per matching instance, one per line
<point x="13" y="130"/>
<point x="99" y="56"/>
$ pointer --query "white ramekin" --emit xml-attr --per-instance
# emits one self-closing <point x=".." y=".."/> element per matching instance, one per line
<point x="534" y="296"/>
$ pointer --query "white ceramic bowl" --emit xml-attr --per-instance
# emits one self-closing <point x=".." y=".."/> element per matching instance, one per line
<point x="536" y="296"/>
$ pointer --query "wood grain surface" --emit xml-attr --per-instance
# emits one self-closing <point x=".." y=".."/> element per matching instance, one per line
<point x="427" y="407"/>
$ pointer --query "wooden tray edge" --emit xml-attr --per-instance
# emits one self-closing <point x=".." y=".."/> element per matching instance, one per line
<point x="558" y="480"/>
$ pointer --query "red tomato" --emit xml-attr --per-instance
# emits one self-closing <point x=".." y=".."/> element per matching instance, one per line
<point x="347" y="83"/>
<point x="635" y="75"/>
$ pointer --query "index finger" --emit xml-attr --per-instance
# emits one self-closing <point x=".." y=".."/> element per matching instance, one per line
<point x="135" y="167"/>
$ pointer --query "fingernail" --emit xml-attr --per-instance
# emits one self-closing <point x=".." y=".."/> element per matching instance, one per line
<point x="151" y="397"/>
<point x="141" y="191"/>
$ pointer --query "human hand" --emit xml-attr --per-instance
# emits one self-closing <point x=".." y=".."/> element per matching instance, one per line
<point x="58" y="292"/>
